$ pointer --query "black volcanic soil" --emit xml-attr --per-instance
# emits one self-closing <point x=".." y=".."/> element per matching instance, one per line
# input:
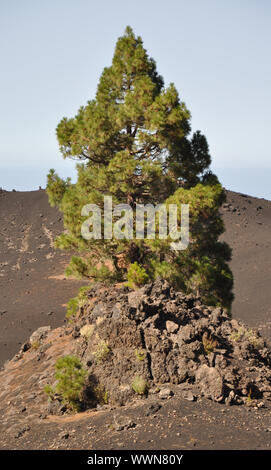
<point x="33" y="293"/>
<point x="33" y="290"/>
<point x="248" y="227"/>
<point x="177" y="425"/>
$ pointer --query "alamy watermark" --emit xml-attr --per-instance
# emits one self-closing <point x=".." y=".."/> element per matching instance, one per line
<point x="122" y="222"/>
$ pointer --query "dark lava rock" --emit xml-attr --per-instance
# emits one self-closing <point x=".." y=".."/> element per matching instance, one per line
<point x="159" y="336"/>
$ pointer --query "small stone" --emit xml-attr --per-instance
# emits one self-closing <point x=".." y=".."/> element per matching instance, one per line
<point x="171" y="326"/>
<point x="32" y="396"/>
<point x="211" y="359"/>
<point x="261" y="404"/>
<point x="154" y="391"/>
<point x="153" y="408"/>
<point x="21" y="431"/>
<point x="126" y="424"/>
<point x="165" y="393"/>
<point x="99" y="407"/>
<point x="230" y="399"/>
<point x="189" y="396"/>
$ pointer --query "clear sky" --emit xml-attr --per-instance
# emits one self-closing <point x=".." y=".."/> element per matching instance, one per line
<point x="216" y="52"/>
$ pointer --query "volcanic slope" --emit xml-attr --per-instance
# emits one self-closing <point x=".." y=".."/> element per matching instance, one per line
<point x="34" y="291"/>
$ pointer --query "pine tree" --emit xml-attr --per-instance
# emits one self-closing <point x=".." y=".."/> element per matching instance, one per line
<point x="70" y="378"/>
<point x="133" y="143"/>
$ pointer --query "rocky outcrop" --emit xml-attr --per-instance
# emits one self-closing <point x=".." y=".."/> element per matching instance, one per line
<point x="164" y="336"/>
<point x="155" y="337"/>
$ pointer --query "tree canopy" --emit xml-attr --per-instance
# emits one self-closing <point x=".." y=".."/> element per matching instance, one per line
<point x="133" y="142"/>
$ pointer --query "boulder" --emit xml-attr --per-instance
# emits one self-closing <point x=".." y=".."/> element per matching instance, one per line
<point x="39" y="334"/>
<point x="210" y="382"/>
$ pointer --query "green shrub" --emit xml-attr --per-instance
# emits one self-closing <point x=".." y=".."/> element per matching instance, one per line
<point x="72" y="308"/>
<point x="136" y="276"/>
<point x="140" y="355"/>
<point x="139" y="386"/>
<point x="77" y="268"/>
<point x="248" y="335"/>
<point x="76" y="302"/>
<point x="209" y="343"/>
<point x="103" y="274"/>
<point x="101" y="352"/>
<point x="49" y="391"/>
<point x="71" y="377"/>
<point x="101" y="395"/>
<point x="35" y="345"/>
<point x="56" y="187"/>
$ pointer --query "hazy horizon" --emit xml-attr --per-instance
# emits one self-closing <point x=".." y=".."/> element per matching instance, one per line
<point x="235" y="179"/>
<point x="215" y="53"/>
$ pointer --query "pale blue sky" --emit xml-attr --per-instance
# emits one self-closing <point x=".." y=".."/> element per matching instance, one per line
<point x="216" y="52"/>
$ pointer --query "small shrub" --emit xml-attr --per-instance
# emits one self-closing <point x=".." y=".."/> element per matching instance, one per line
<point x="49" y="391"/>
<point x="140" y="355"/>
<point x="101" y="352"/>
<point x="101" y="395"/>
<point x="139" y="386"/>
<point x="77" y="268"/>
<point x="250" y="400"/>
<point x="104" y="274"/>
<point x="35" y="345"/>
<point x="72" y="308"/>
<point x="136" y="276"/>
<point x="237" y="335"/>
<point x="56" y="187"/>
<point x="76" y="302"/>
<point x="255" y="340"/>
<point x="87" y="331"/>
<point x="248" y="335"/>
<point x="208" y="342"/>
<point x="71" y="376"/>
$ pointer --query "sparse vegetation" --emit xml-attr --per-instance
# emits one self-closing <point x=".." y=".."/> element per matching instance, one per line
<point x="136" y="276"/>
<point x="101" y="395"/>
<point x="76" y="302"/>
<point x="140" y="355"/>
<point x="249" y="399"/>
<point x="140" y="386"/>
<point x="87" y="331"/>
<point x="102" y="352"/>
<point x="249" y="335"/>
<point x="35" y="345"/>
<point x="80" y="268"/>
<point x="209" y="343"/>
<point x="70" y="376"/>
<point x="72" y="308"/>
<point x="48" y="389"/>
<point x="56" y="187"/>
<point x="77" y="268"/>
